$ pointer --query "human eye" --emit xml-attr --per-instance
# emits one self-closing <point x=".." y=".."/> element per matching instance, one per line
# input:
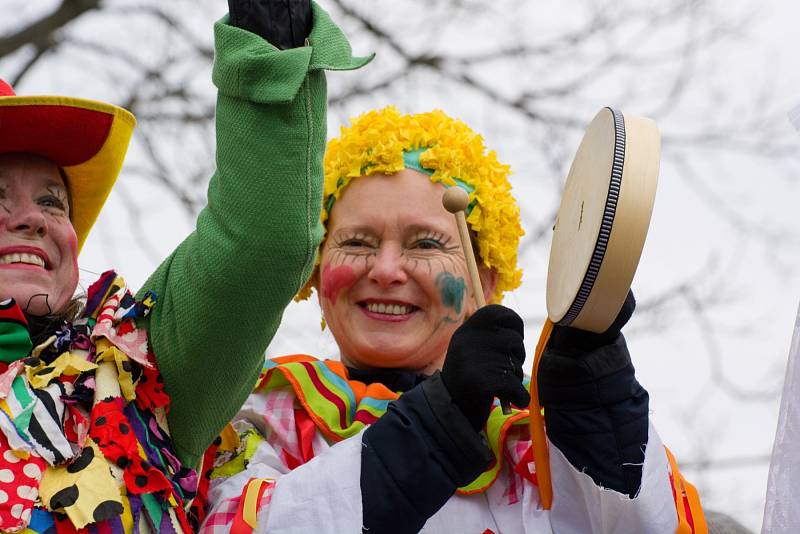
<point x="355" y="241"/>
<point x="52" y="201"/>
<point x="428" y="244"/>
<point x="430" y="241"/>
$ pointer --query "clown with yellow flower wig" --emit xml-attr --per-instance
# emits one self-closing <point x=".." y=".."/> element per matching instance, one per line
<point x="403" y="431"/>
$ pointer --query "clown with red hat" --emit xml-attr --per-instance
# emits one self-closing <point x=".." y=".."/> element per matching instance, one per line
<point x="110" y="402"/>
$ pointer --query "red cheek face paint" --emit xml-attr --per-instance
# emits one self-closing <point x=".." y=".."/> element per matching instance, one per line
<point x="336" y="279"/>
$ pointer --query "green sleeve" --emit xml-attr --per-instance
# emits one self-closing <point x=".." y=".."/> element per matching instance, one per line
<point x="222" y="292"/>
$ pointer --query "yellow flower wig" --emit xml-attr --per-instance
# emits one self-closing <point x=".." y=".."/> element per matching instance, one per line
<point x="386" y="141"/>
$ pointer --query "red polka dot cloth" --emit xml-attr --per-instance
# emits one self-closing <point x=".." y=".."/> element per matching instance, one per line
<point x="19" y="486"/>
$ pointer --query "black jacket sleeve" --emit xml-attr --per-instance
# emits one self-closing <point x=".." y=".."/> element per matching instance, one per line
<point x="283" y="23"/>
<point x="596" y="413"/>
<point x="414" y="458"/>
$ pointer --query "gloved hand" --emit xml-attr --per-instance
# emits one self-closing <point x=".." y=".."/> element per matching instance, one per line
<point x="284" y="23"/>
<point x="595" y="411"/>
<point x="567" y="340"/>
<point x="484" y="361"/>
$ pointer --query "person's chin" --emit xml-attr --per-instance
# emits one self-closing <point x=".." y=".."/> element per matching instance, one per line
<point x="387" y="352"/>
<point x="33" y="299"/>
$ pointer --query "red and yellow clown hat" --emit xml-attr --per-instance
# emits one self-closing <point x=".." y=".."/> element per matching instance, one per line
<point x="86" y="138"/>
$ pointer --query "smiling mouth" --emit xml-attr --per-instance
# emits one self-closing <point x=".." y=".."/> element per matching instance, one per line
<point x="388" y="308"/>
<point x="22" y="258"/>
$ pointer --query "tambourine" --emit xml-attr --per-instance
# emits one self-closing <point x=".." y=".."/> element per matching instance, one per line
<point x="603" y="220"/>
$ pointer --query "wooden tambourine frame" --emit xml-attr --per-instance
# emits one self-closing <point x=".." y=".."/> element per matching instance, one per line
<point x="603" y="220"/>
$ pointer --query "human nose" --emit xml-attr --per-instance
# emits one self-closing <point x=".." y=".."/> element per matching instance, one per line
<point x="25" y="218"/>
<point x="389" y="267"/>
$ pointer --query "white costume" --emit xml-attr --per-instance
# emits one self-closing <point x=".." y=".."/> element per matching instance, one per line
<point x="322" y="494"/>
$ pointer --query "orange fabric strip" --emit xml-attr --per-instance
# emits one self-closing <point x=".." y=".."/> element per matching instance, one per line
<point x="541" y="456"/>
<point x="698" y="517"/>
<point x="686" y="497"/>
<point x="677" y="493"/>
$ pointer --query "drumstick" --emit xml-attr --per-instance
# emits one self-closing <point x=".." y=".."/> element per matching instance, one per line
<point x="456" y="200"/>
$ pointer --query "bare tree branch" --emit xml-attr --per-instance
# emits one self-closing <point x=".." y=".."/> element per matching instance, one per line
<point x="40" y="33"/>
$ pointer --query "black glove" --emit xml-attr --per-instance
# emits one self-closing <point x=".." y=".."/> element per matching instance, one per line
<point x="595" y="410"/>
<point x="284" y="23"/>
<point x="567" y="340"/>
<point x="484" y="361"/>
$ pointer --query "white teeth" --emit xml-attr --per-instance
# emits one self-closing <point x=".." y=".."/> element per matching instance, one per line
<point x="388" y="309"/>
<point x="22" y="257"/>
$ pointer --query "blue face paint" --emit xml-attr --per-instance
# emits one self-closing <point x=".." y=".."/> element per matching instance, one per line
<point x="452" y="290"/>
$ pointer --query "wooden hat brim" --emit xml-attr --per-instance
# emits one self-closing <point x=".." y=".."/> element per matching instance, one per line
<point x="603" y="220"/>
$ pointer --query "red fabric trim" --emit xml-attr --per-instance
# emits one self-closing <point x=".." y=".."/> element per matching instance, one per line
<point x="365" y="417"/>
<point x="687" y="509"/>
<point x="65" y="526"/>
<point x="305" y="433"/>
<point x="522" y="467"/>
<point x="689" y="518"/>
<point x="291" y="462"/>
<point x="239" y="525"/>
<point x="65" y="135"/>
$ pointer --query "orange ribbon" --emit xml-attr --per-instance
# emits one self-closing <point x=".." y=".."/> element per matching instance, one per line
<point x="541" y="456"/>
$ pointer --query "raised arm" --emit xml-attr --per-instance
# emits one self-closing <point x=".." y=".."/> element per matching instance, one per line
<point x="222" y="292"/>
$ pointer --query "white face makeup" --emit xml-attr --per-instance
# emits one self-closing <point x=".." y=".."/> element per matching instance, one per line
<point x="393" y="281"/>
<point x="38" y="244"/>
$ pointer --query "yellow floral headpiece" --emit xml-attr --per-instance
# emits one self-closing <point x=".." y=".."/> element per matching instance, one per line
<point x="451" y="153"/>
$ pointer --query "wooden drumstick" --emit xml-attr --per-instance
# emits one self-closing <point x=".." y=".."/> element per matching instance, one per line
<point x="456" y="200"/>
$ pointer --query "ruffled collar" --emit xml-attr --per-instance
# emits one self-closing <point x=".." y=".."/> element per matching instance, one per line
<point x="82" y="414"/>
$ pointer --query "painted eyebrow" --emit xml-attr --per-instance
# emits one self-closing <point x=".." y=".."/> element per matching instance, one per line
<point x="360" y="228"/>
<point x="56" y="185"/>
<point x="422" y="227"/>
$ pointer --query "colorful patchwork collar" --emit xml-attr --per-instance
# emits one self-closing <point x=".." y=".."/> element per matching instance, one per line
<point x="341" y="407"/>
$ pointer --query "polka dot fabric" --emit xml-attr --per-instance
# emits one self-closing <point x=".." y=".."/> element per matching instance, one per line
<point x="84" y="489"/>
<point x="84" y="445"/>
<point x="19" y="486"/>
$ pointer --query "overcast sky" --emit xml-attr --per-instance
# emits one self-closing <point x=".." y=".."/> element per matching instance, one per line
<point x="691" y="233"/>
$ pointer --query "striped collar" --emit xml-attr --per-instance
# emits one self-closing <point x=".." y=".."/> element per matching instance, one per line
<point x="341" y="406"/>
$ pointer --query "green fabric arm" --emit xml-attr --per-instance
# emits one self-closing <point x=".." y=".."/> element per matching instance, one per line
<point x="222" y="292"/>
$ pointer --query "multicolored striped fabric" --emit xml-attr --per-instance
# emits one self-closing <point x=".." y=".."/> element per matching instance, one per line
<point x="340" y="408"/>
